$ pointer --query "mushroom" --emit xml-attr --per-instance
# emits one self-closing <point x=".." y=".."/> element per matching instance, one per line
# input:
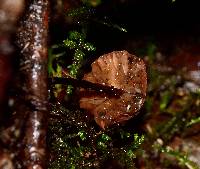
<point x="118" y="70"/>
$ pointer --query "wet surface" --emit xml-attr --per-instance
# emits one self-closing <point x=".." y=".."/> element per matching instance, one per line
<point x="32" y="40"/>
<point x="169" y="117"/>
<point x="122" y="71"/>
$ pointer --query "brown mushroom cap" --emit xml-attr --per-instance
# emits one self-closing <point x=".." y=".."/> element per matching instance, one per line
<point x="120" y="70"/>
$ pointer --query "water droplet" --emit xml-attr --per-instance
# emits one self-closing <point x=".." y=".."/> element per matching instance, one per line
<point x="128" y="108"/>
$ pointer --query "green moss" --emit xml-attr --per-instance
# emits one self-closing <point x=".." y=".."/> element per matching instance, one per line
<point x="193" y="121"/>
<point x="165" y="99"/>
<point x="77" y="42"/>
<point x="77" y="143"/>
<point x="179" y="156"/>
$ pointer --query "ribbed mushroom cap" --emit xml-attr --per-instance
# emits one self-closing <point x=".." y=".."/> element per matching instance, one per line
<point x="120" y="70"/>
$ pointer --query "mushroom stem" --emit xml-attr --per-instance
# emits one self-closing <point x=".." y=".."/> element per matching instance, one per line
<point x="87" y="85"/>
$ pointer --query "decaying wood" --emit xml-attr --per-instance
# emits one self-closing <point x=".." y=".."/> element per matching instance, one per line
<point x="120" y="70"/>
<point x="32" y="40"/>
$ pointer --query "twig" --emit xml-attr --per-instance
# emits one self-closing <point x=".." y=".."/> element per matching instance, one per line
<point x="32" y="40"/>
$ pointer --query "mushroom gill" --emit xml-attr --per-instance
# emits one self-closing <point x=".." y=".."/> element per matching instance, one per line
<point x="121" y="70"/>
